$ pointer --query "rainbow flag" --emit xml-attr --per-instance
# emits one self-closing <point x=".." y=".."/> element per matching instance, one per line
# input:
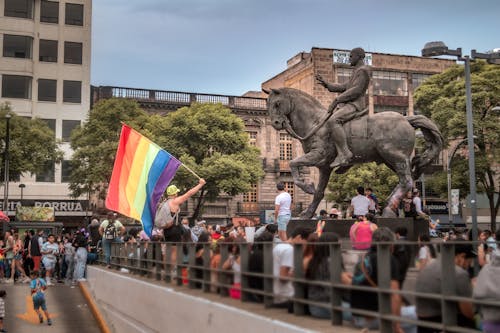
<point x="141" y="173"/>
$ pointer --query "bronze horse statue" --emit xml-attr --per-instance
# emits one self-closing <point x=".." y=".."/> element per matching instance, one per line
<point x="386" y="137"/>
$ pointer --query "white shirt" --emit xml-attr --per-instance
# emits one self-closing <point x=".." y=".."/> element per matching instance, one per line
<point x="282" y="256"/>
<point x="284" y="200"/>
<point x="418" y="204"/>
<point x="360" y="204"/>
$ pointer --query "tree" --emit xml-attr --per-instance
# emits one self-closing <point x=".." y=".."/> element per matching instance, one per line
<point x="31" y="144"/>
<point x="442" y="98"/>
<point x="211" y="140"/>
<point x="95" y="143"/>
<point x="379" y="177"/>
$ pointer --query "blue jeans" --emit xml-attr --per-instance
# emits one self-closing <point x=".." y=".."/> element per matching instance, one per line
<point x="80" y="262"/>
<point x="283" y="221"/>
<point x="106" y="246"/>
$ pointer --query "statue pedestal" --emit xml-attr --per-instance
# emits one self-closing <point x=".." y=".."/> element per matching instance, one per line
<point x="341" y="227"/>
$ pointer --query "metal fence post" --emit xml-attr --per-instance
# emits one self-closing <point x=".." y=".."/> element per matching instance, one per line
<point x="384" y="282"/>
<point x="268" y="274"/>
<point x="221" y="276"/>
<point x="179" y="261"/>
<point x="244" y="256"/>
<point x="448" y="285"/>
<point x="299" y="308"/>
<point x="157" y="259"/>
<point x="335" y="277"/>
<point x="206" y="267"/>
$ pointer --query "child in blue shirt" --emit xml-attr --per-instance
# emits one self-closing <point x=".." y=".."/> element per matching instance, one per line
<point x="38" y="287"/>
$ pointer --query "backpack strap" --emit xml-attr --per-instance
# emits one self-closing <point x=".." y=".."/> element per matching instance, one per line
<point x="365" y="273"/>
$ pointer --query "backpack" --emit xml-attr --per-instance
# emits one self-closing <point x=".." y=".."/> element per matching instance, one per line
<point x="110" y="231"/>
<point x="363" y="272"/>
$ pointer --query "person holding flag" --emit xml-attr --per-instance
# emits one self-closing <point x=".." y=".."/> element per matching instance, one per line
<point x="167" y="214"/>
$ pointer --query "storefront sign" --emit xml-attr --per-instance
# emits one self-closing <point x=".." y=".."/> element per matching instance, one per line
<point x="60" y="207"/>
<point x="342" y="57"/>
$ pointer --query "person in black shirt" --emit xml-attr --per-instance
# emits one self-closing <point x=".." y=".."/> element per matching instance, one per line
<point x="365" y="274"/>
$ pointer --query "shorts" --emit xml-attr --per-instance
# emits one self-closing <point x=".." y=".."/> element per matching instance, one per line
<point x="18" y="256"/>
<point x="49" y="264"/>
<point x="173" y="234"/>
<point x="283" y="221"/>
<point x="39" y="302"/>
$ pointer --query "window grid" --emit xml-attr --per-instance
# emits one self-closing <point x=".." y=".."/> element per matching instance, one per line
<point x="48" y="50"/>
<point x="286" y="147"/>
<point x="49" y="11"/>
<point x="343" y="74"/>
<point x="390" y="83"/>
<point x="251" y="196"/>
<point x="290" y="188"/>
<point x="417" y="79"/>
<point x="252" y="138"/>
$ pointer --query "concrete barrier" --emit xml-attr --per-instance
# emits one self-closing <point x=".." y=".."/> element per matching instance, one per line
<point x="134" y="305"/>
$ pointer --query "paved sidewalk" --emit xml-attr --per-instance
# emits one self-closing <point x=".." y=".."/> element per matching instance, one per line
<point x="66" y="304"/>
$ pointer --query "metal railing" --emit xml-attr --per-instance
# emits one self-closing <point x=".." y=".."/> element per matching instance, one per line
<point x="177" y="97"/>
<point x="192" y="269"/>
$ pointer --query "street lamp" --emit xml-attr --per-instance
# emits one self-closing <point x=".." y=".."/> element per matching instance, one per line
<point x="22" y="186"/>
<point x="448" y="173"/>
<point x="6" y="170"/>
<point x="439" y="48"/>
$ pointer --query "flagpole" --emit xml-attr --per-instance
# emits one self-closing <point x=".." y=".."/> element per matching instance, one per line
<point x="189" y="169"/>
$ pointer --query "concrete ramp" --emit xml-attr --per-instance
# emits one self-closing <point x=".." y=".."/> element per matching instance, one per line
<point x="132" y="304"/>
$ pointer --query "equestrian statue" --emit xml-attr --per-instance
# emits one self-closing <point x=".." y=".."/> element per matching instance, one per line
<point x="344" y="135"/>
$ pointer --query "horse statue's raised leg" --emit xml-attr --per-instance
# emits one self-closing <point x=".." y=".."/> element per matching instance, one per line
<point x="324" y="177"/>
<point x="401" y="166"/>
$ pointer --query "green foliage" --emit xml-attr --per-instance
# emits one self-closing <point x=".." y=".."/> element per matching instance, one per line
<point x="32" y="144"/>
<point x="379" y="177"/>
<point x="95" y="144"/>
<point x="442" y="98"/>
<point x="212" y="141"/>
<point x="207" y="138"/>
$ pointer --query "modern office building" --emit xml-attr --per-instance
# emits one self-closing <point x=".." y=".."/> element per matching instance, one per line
<point x="45" y="73"/>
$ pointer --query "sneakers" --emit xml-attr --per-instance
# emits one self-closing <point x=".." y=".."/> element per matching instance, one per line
<point x="9" y="281"/>
<point x="49" y="322"/>
<point x="49" y="283"/>
<point x="40" y="317"/>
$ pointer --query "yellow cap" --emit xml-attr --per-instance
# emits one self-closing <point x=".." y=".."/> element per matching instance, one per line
<point x="172" y="189"/>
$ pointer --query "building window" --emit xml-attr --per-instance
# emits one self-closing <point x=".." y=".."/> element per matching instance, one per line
<point x="17" y="46"/>
<point x="48" y="50"/>
<point x="51" y="123"/>
<point x="72" y="91"/>
<point x="49" y="11"/>
<point x="47" y="90"/>
<point x="19" y="8"/>
<point x="74" y="14"/>
<point x="252" y="138"/>
<point x="387" y="83"/>
<point x="251" y="196"/>
<point x="65" y="171"/>
<point x="343" y="74"/>
<point x="289" y="187"/>
<point x="73" y="53"/>
<point x="399" y="109"/>
<point x="67" y="127"/>
<point x="16" y="86"/>
<point x="285" y="147"/>
<point x="418" y="79"/>
<point x="48" y="173"/>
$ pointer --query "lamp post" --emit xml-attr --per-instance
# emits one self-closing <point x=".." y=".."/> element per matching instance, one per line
<point x="448" y="173"/>
<point x="433" y="49"/>
<point x="22" y="186"/>
<point x="6" y="170"/>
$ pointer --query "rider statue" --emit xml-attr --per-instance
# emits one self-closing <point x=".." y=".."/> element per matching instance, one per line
<point x="349" y="104"/>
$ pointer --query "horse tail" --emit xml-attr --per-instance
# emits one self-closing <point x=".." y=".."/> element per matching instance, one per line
<point x="434" y="140"/>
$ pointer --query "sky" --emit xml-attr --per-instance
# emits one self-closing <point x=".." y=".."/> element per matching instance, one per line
<point x="229" y="47"/>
